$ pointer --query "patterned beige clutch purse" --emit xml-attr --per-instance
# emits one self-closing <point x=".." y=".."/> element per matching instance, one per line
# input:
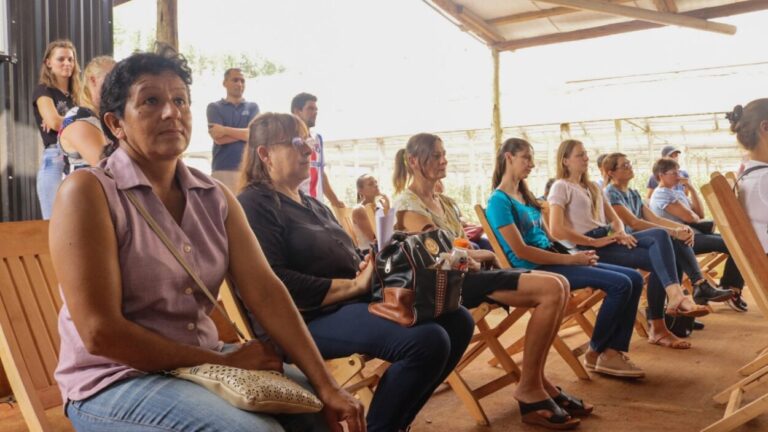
<point x="252" y="390"/>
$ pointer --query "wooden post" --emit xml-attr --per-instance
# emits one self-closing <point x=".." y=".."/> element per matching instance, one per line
<point x="497" y="132"/>
<point x="168" y="23"/>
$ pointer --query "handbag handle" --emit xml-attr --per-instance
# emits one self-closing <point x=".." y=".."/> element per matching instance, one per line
<point x="167" y="242"/>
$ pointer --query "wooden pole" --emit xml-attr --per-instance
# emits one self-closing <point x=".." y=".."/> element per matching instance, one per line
<point x="168" y="23"/>
<point x="497" y="132"/>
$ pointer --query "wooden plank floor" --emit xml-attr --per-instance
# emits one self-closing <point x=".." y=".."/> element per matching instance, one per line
<point x="676" y="395"/>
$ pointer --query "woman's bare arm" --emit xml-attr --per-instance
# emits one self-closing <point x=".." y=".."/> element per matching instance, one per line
<point x="85" y="139"/>
<point x="85" y="258"/>
<point x="563" y="231"/>
<point x="51" y="118"/>
<point x="682" y="212"/>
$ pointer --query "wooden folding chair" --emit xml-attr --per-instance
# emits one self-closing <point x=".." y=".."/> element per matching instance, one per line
<point x="29" y="306"/>
<point x="741" y="239"/>
<point x="347" y="371"/>
<point x="578" y="311"/>
<point x="344" y="216"/>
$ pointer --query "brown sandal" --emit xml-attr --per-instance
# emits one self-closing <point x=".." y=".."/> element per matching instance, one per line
<point x="669" y="340"/>
<point x="676" y="310"/>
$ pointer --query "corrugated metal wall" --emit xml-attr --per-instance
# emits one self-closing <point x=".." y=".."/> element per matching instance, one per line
<point x="33" y="23"/>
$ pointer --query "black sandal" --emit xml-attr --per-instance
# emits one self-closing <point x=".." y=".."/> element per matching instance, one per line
<point x="559" y="420"/>
<point x="573" y="405"/>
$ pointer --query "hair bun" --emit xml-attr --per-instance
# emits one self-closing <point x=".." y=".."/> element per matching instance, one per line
<point x="734" y="116"/>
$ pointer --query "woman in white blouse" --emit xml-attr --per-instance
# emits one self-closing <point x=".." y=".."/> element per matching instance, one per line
<point x="750" y="123"/>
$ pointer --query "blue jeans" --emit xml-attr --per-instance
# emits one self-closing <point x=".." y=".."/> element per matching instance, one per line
<point x="622" y="287"/>
<point x="653" y="253"/>
<point x="686" y="261"/>
<point x="704" y="243"/>
<point x="422" y="356"/>
<point x="49" y="178"/>
<point x="163" y="403"/>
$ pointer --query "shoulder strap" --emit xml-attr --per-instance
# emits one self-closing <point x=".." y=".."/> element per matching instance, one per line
<point x="747" y="171"/>
<point x="175" y="252"/>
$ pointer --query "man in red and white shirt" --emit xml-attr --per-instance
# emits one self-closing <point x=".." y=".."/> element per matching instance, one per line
<point x="304" y="105"/>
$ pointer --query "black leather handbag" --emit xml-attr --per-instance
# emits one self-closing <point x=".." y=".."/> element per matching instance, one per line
<point x="680" y="326"/>
<point x="406" y="287"/>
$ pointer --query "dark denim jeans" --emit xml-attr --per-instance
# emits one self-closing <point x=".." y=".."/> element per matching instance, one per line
<point x="422" y="356"/>
<point x="622" y="287"/>
<point x="686" y="262"/>
<point x="704" y="243"/>
<point x="653" y="253"/>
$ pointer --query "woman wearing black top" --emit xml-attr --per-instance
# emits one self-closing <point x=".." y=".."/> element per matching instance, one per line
<point x="330" y="283"/>
<point x="56" y="93"/>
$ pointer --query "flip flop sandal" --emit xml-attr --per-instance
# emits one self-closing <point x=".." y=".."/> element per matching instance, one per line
<point x="668" y="341"/>
<point x="558" y="420"/>
<point x="675" y="310"/>
<point x="573" y="405"/>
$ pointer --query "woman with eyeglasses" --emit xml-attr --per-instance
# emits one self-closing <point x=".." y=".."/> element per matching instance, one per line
<point x="580" y="215"/>
<point x="637" y="216"/>
<point x="515" y="217"/>
<point x="330" y="283"/>
<point x="674" y="205"/>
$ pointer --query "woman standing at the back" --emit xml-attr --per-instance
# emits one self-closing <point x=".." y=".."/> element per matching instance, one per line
<point x="56" y="93"/>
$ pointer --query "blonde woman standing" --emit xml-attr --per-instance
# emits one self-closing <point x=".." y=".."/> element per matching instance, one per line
<point x="81" y="138"/>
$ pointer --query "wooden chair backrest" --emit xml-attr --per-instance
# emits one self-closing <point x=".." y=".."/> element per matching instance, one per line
<point x="503" y="261"/>
<point x="739" y="236"/>
<point x="344" y="216"/>
<point x="731" y="177"/>
<point x="29" y="307"/>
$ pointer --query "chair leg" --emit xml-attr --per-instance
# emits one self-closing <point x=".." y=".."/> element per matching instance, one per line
<point x="735" y="417"/>
<point x="570" y="358"/>
<point x="641" y="325"/>
<point x="744" y="384"/>
<point x="755" y="365"/>
<point x="468" y="398"/>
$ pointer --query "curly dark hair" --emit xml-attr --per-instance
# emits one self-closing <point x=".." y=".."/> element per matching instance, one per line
<point x="117" y="84"/>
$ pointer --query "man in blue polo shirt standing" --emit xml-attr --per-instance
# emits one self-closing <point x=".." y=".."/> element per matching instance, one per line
<point x="228" y="121"/>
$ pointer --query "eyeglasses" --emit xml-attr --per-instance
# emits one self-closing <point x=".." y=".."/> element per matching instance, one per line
<point x="670" y="172"/>
<point x="625" y="165"/>
<point x="300" y="143"/>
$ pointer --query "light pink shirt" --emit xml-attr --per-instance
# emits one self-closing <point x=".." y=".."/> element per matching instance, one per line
<point x="156" y="291"/>
<point x="577" y="203"/>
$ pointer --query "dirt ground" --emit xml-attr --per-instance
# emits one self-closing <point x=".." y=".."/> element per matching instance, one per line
<point x="675" y="396"/>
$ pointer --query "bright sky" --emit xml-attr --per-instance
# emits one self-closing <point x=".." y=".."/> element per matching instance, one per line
<point x="397" y="67"/>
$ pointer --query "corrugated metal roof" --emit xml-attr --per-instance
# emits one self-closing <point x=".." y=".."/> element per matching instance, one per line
<point x="515" y="24"/>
